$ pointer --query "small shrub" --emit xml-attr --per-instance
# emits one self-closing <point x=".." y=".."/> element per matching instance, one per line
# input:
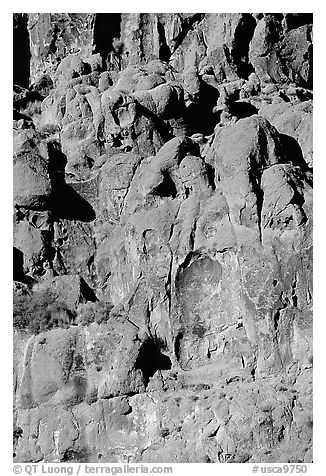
<point x="39" y="312"/>
<point x="98" y="311"/>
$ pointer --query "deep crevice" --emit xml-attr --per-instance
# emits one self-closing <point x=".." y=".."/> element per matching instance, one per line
<point x="255" y="180"/>
<point x="276" y="319"/>
<point x="164" y="52"/>
<point x="177" y="345"/>
<point x="242" y="38"/>
<point x="210" y="171"/>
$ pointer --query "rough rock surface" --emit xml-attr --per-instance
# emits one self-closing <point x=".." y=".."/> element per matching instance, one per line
<point x="163" y="199"/>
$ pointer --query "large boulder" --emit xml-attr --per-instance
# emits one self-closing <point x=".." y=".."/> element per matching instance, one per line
<point x="32" y="185"/>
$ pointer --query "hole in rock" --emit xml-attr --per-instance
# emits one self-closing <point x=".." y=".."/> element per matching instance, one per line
<point x="151" y="359"/>
<point x="166" y="188"/>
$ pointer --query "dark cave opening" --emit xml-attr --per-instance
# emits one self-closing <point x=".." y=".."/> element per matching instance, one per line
<point x="150" y="359"/>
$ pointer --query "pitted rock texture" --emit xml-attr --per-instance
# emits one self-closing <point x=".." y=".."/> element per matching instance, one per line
<point x="163" y="237"/>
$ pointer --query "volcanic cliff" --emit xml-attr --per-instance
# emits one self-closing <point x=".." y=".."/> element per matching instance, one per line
<point x="163" y="237"/>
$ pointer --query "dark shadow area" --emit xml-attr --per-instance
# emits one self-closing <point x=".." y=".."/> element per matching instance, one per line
<point x="292" y="152"/>
<point x="87" y="292"/>
<point x="106" y="28"/>
<point x="166" y="188"/>
<point x="57" y="164"/>
<point x="186" y="27"/>
<point x="17" y="433"/>
<point x="162" y="128"/>
<point x="67" y="203"/>
<point x="17" y="116"/>
<point x="210" y="171"/>
<point x="164" y="51"/>
<point x="177" y="346"/>
<point x="18" y="267"/>
<point x="242" y="37"/>
<point x="151" y="359"/>
<point x="199" y="116"/>
<point x="31" y="97"/>
<point x="76" y="456"/>
<point x="18" y="264"/>
<point x="21" y="50"/>
<point x="43" y="85"/>
<point x="309" y="83"/>
<point x="295" y="20"/>
<point x="241" y="109"/>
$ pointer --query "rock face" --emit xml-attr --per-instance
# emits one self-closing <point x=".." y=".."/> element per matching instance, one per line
<point x="163" y="238"/>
